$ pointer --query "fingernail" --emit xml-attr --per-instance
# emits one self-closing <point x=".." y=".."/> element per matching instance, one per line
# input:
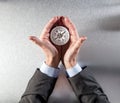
<point x="55" y="17"/>
<point x="85" y="38"/>
<point x="32" y="38"/>
<point x="66" y="18"/>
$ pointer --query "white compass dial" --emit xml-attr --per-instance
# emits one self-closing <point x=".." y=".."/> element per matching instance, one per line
<point x="59" y="35"/>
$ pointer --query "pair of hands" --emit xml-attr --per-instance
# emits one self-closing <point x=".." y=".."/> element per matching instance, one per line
<point x="66" y="53"/>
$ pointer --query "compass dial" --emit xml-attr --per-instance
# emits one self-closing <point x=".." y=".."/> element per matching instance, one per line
<point x="59" y="35"/>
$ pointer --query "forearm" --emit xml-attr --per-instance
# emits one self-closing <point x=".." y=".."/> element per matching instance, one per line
<point x="39" y="88"/>
<point x="87" y="89"/>
<point x="32" y="99"/>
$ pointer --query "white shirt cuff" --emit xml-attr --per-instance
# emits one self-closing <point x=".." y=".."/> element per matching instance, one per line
<point x="74" y="70"/>
<point x="50" y="71"/>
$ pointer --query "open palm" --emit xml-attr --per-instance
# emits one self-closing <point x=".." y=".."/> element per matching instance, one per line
<point x="71" y="49"/>
<point x="51" y="51"/>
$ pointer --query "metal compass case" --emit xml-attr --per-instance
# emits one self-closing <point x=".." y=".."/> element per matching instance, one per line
<point x="59" y="35"/>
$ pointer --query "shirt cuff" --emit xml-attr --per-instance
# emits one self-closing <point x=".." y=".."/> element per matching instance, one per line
<point x="50" y="71"/>
<point x="74" y="70"/>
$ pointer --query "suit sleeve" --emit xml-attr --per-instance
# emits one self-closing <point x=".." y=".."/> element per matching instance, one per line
<point x="87" y="89"/>
<point x="38" y="89"/>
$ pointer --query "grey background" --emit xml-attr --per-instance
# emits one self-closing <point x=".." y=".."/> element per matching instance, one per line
<point x="99" y="20"/>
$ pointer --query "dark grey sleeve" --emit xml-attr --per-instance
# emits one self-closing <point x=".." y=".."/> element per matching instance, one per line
<point x="87" y="89"/>
<point x="38" y="89"/>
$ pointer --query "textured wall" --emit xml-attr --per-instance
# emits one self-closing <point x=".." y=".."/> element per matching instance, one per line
<point x="99" y="20"/>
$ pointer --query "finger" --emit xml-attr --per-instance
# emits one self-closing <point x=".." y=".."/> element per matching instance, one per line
<point x="72" y="29"/>
<point x="36" y="40"/>
<point x="79" y="43"/>
<point x="49" y="25"/>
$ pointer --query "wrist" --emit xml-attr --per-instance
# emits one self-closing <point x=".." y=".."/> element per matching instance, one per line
<point x="52" y="62"/>
<point x="70" y="64"/>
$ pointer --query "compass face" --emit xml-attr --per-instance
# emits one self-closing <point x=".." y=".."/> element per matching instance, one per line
<point x="59" y="35"/>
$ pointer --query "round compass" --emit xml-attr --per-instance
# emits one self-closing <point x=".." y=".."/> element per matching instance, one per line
<point x="59" y="35"/>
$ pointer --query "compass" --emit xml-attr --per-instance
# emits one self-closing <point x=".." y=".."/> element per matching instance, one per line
<point x="59" y="35"/>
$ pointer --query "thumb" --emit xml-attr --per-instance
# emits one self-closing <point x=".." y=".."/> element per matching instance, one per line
<point x="82" y="39"/>
<point x="79" y="43"/>
<point x="36" y="40"/>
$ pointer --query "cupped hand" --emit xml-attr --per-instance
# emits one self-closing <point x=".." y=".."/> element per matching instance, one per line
<point x="52" y="52"/>
<point x="71" y="49"/>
